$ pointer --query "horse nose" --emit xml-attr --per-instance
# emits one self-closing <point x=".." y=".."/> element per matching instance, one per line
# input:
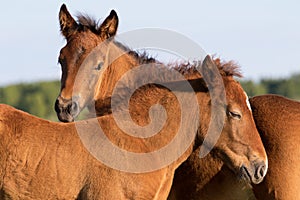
<point x="260" y="172"/>
<point x="66" y="109"/>
<point x="255" y="172"/>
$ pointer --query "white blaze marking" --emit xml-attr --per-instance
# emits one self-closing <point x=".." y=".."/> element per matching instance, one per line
<point x="247" y="101"/>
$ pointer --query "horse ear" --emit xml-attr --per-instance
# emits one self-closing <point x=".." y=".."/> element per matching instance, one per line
<point x="210" y="72"/>
<point x="216" y="88"/>
<point x="109" y="26"/>
<point x="67" y="24"/>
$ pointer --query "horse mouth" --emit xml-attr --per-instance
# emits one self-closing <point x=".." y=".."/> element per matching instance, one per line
<point x="65" y="118"/>
<point x="245" y="174"/>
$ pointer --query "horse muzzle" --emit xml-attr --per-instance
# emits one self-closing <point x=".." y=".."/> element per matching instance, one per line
<point x="254" y="173"/>
<point x="66" y="109"/>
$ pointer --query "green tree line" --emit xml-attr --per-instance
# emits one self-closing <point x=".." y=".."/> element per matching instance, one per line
<point x="288" y="87"/>
<point x="35" y="98"/>
<point x="38" y="98"/>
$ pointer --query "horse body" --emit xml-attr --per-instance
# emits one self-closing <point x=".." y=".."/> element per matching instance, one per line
<point x="47" y="160"/>
<point x="34" y="166"/>
<point x="278" y="121"/>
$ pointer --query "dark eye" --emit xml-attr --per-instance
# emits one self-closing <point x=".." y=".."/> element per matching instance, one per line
<point x="99" y="66"/>
<point x="234" y="115"/>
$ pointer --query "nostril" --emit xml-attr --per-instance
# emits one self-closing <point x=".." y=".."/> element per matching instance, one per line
<point x="56" y="106"/>
<point x="260" y="171"/>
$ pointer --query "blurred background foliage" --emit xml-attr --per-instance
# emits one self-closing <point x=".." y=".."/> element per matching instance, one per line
<point x="35" y="98"/>
<point x="38" y="98"/>
<point x="288" y="87"/>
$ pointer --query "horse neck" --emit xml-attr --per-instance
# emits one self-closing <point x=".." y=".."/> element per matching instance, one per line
<point x="139" y="108"/>
<point x="142" y="100"/>
<point x="126" y="142"/>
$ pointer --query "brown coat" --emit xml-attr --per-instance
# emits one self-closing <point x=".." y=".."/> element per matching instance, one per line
<point x="47" y="160"/>
<point x="278" y="121"/>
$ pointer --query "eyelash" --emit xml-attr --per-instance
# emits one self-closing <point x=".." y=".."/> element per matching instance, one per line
<point x="234" y="115"/>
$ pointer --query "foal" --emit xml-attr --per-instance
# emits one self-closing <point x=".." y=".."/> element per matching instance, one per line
<point x="40" y="159"/>
<point x="239" y="145"/>
<point x="48" y="160"/>
<point x="278" y="120"/>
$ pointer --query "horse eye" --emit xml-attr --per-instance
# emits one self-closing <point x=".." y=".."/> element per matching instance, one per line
<point x="99" y="66"/>
<point x="234" y="115"/>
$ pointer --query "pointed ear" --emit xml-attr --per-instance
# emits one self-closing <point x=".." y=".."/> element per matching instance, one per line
<point x="210" y="73"/>
<point x="214" y="82"/>
<point x="110" y="25"/>
<point x="67" y="24"/>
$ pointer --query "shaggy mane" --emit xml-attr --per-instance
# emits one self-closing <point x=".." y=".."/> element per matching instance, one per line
<point x="86" y="21"/>
<point x="141" y="57"/>
<point x="229" y="68"/>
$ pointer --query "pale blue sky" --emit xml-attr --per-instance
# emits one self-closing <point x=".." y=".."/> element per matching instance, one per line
<point x="263" y="36"/>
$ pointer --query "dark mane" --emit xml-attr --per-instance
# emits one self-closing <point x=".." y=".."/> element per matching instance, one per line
<point x="229" y="68"/>
<point x="86" y="21"/>
<point x="141" y="57"/>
